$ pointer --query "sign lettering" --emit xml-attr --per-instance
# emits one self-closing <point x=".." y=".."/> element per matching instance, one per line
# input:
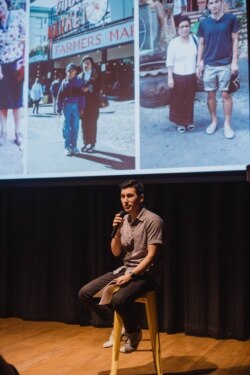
<point x="110" y="36"/>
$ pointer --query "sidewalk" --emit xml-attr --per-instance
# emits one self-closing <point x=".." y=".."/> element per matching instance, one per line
<point x="11" y="158"/>
<point x="163" y="147"/>
<point x="115" y="147"/>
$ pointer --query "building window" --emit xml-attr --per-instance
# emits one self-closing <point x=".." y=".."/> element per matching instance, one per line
<point x="38" y="40"/>
<point x="38" y="23"/>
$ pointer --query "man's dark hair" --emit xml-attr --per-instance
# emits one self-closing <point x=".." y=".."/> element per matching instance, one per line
<point x="139" y="188"/>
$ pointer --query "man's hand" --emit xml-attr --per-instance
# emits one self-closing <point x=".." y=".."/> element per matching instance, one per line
<point x="123" y="279"/>
<point x="234" y="68"/>
<point x="199" y="69"/>
<point x="117" y="220"/>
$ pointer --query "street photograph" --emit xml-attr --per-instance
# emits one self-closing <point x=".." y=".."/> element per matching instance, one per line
<point x="81" y="112"/>
<point x="185" y="124"/>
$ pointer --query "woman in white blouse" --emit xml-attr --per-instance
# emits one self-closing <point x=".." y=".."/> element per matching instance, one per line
<point x="181" y="64"/>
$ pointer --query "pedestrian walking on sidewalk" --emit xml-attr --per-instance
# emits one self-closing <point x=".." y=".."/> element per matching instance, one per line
<point x="36" y="94"/>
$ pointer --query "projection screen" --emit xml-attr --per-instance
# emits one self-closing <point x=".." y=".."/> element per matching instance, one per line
<point x="53" y="125"/>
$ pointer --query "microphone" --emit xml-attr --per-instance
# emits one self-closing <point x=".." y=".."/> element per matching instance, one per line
<point x="122" y="213"/>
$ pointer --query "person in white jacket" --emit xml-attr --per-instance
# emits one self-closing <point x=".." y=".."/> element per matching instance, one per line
<point x="36" y="95"/>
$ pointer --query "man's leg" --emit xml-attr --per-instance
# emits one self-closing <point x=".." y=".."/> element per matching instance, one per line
<point x="211" y="103"/>
<point x="88" y="291"/>
<point x="66" y="129"/>
<point x="123" y="303"/>
<point x="54" y="105"/>
<point x="210" y="78"/>
<point x="228" y="106"/>
<point x="74" y="127"/>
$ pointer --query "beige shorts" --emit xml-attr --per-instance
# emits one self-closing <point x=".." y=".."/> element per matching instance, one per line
<point x="216" y="77"/>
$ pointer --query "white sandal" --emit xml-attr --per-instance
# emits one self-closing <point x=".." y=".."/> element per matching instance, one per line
<point x="191" y="127"/>
<point x="181" y="129"/>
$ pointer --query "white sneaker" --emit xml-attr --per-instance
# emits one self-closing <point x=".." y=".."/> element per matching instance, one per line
<point x="228" y="132"/>
<point x="109" y="343"/>
<point x="211" y="128"/>
<point x="132" y="342"/>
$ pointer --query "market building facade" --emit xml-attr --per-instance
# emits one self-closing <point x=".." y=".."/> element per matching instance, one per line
<point x="103" y="30"/>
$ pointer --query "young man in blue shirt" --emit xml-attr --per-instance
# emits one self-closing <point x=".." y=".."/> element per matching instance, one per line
<point x="217" y="60"/>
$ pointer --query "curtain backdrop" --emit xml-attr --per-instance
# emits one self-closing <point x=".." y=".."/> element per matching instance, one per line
<point x="53" y="239"/>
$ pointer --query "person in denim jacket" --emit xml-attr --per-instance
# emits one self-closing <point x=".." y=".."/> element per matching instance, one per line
<point x="71" y="101"/>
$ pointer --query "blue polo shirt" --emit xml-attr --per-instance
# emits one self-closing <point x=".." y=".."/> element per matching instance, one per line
<point x="217" y="34"/>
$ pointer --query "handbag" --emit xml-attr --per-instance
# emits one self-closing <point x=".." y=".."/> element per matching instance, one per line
<point x="234" y="83"/>
<point x="103" y="101"/>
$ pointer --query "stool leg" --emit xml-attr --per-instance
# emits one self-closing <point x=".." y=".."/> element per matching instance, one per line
<point x="116" y="343"/>
<point x="154" y="331"/>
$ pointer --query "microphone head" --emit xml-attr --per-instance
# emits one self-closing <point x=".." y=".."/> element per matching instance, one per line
<point x="122" y="213"/>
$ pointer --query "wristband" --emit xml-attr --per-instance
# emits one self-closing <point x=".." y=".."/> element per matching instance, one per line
<point x="132" y="275"/>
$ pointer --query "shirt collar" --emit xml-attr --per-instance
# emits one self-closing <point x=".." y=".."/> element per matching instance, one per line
<point x="139" y="217"/>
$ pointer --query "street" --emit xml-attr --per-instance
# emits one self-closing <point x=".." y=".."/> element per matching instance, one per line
<point x="162" y="147"/>
<point x="115" y="147"/>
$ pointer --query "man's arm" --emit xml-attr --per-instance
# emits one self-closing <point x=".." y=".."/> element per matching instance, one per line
<point x="116" y="246"/>
<point x="200" y="63"/>
<point x="145" y="263"/>
<point x="234" y="65"/>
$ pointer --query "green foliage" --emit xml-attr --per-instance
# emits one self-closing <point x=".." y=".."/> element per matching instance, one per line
<point x="239" y="3"/>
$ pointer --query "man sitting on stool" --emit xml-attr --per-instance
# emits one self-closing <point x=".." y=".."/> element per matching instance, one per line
<point x="138" y="233"/>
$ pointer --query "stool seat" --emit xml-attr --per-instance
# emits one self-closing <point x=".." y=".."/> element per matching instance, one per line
<point x="149" y="299"/>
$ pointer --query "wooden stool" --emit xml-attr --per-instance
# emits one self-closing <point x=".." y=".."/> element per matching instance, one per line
<point x="149" y="299"/>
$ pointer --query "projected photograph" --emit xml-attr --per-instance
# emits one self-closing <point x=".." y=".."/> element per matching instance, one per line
<point x="194" y="85"/>
<point x="81" y="109"/>
<point x="12" y="53"/>
<point x="123" y="87"/>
